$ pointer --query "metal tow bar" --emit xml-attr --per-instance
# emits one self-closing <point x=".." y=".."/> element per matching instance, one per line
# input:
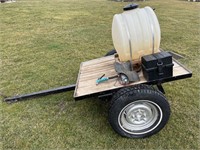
<point x="40" y="93"/>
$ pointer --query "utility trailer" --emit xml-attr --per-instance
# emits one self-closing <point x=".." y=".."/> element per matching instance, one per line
<point x="137" y="110"/>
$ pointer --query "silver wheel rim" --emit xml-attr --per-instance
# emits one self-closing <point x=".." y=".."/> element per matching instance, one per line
<point x="140" y="117"/>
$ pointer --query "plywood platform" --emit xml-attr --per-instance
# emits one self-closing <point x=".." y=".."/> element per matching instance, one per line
<point x="91" y="70"/>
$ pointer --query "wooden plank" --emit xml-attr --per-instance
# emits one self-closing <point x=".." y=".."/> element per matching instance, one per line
<point x="76" y="89"/>
<point x="87" y="78"/>
<point x="109" y="85"/>
<point x="175" y="64"/>
<point x="93" y="69"/>
<point x="92" y="81"/>
<point x="92" y="78"/>
<point x="177" y="71"/>
<point x="99" y="73"/>
<point x="90" y="87"/>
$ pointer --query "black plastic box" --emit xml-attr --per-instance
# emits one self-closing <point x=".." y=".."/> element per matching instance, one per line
<point x="157" y="66"/>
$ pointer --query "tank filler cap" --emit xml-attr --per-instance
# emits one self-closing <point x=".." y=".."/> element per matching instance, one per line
<point x="130" y="7"/>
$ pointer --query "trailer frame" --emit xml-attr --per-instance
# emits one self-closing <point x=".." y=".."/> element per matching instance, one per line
<point x="101" y="94"/>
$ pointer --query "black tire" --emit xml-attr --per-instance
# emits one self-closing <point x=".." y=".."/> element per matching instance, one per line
<point x="111" y="52"/>
<point x="138" y="112"/>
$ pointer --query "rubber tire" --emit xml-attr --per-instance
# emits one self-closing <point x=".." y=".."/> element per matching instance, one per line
<point x="128" y="95"/>
<point x="111" y="52"/>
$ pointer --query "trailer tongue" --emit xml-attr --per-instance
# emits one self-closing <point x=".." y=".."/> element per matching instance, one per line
<point x="40" y="93"/>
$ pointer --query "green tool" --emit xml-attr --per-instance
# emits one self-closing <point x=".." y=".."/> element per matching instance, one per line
<point x="103" y="79"/>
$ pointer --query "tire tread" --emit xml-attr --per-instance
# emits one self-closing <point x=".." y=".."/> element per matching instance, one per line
<point x="140" y="89"/>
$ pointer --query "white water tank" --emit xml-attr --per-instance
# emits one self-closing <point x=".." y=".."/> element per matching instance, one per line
<point x="136" y="33"/>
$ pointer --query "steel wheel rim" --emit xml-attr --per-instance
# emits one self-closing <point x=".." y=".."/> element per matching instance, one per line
<point x="140" y="117"/>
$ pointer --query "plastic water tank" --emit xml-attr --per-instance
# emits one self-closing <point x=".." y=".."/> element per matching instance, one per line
<point x="136" y="33"/>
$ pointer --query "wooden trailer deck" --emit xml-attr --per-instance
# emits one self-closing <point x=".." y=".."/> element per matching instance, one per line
<point x="91" y="70"/>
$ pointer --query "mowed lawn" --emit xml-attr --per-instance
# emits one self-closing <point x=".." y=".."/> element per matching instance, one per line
<point x="43" y="42"/>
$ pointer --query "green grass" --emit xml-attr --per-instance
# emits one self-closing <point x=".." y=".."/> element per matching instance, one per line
<point x="42" y="45"/>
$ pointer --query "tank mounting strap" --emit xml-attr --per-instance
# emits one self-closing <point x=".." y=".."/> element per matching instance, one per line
<point x="129" y="40"/>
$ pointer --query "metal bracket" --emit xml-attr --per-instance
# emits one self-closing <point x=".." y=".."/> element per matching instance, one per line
<point x="160" y="88"/>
